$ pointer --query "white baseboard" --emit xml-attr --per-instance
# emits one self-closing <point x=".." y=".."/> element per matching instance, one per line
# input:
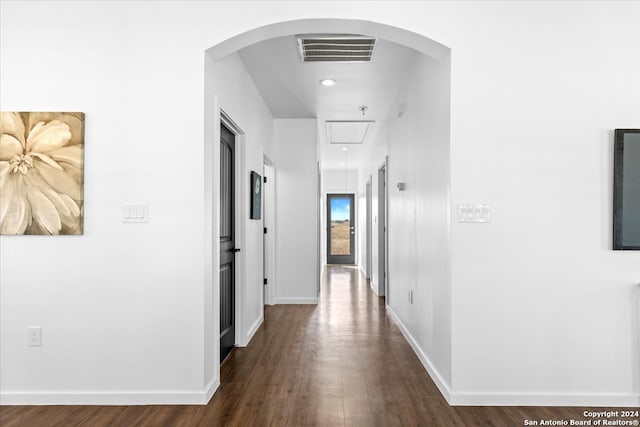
<point x="544" y="399"/>
<point x="110" y="398"/>
<point x="373" y="287"/>
<point x="210" y="390"/>
<point x="254" y="328"/>
<point x="296" y="300"/>
<point x="515" y="398"/>
<point x="433" y="372"/>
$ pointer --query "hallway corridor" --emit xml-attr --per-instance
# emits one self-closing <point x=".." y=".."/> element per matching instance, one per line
<point x="341" y="363"/>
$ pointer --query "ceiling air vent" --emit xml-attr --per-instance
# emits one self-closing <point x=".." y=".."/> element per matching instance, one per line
<point x="336" y="48"/>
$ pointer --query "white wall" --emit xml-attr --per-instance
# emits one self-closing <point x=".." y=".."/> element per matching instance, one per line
<point x="361" y="222"/>
<point x="544" y="310"/>
<point x="338" y="181"/>
<point x="539" y="300"/>
<point x="121" y="307"/>
<point x="419" y="229"/>
<point x="229" y="84"/>
<point x="418" y="217"/>
<point x="296" y="213"/>
<point x="374" y="159"/>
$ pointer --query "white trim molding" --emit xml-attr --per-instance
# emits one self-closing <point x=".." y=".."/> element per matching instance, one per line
<point x="296" y="300"/>
<point x="544" y="399"/>
<point x="431" y="370"/>
<point x="253" y="329"/>
<point x="513" y="398"/>
<point x="210" y="390"/>
<point x="116" y="398"/>
<point x="374" y="288"/>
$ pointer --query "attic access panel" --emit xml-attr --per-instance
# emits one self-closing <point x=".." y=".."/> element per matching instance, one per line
<point x="348" y="131"/>
<point x="335" y="48"/>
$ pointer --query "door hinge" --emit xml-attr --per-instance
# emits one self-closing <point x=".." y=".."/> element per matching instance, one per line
<point x="264" y="179"/>
<point x="265" y="281"/>
<point x="265" y="230"/>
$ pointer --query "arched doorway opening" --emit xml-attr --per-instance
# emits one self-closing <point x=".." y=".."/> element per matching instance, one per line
<point x="408" y="188"/>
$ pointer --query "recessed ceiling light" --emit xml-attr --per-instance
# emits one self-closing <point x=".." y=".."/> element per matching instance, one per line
<point x="327" y="82"/>
<point x="345" y="149"/>
<point x="341" y="164"/>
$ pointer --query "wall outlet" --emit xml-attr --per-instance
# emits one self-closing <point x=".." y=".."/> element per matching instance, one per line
<point x="35" y="336"/>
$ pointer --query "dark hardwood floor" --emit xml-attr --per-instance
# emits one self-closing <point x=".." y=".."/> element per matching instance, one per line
<point x="342" y="362"/>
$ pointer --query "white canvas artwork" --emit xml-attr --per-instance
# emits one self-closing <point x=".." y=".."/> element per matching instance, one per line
<point x="41" y="173"/>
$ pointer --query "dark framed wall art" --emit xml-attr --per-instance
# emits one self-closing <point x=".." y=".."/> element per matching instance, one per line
<point x="256" y="195"/>
<point x="626" y="190"/>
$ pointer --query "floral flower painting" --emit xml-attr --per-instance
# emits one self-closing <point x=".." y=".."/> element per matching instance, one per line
<point x="41" y="173"/>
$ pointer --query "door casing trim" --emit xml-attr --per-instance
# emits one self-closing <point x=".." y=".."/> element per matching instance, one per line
<point x="354" y="216"/>
<point x="270" y="224"/>
<point x="383" y="231"/>
<point x="239" y="227"/>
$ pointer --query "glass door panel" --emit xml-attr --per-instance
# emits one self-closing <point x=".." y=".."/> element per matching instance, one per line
<point x="340" y="229"/>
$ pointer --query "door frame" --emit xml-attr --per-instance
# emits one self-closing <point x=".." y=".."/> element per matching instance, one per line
<point x="352" y="220"/>
<point x="383" y="230"/>
<point x="368" y="231"/>
<point x="320" y="266"/>
<point x="269" y="222"/>
<point x="239" y="229"/>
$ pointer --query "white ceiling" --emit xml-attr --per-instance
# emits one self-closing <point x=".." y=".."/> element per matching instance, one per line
<point x="291" y="88"/>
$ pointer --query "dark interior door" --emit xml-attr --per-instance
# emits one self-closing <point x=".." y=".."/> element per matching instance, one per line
<point x="341" y="229"/>
<point x="227" y="244"/>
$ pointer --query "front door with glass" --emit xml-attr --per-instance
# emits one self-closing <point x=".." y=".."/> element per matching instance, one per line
<point x="340" y="229"/>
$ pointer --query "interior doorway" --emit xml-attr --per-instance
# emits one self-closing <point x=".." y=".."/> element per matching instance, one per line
<point x="220" y="92"/>
<point x="269" y="223"/>
<point x="341" y="229"/>
<point x="227" y="242"/>
<point x="368" y="231"/>
<point x="382" y="232"/>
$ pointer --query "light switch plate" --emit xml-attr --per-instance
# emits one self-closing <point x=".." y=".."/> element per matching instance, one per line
<point x="478" y="213"/>
<point x="135" y="213"/>
<point x="35" y="336"/>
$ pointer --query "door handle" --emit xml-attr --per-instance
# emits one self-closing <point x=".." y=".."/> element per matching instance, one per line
<point x="234" y="250"/>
